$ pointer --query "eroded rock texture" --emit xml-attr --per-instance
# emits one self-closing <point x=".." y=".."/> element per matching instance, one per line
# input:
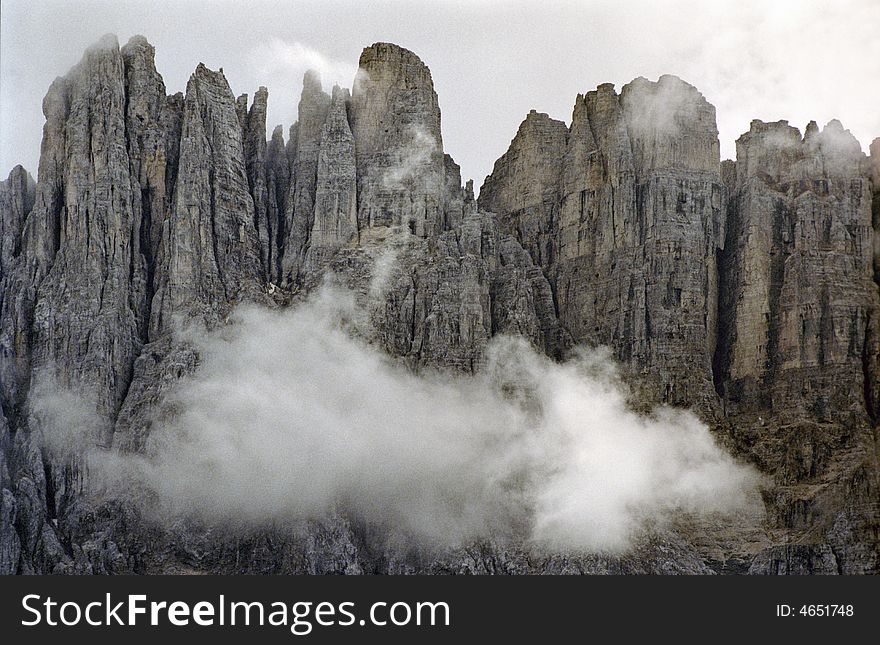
<point x="395" y="119"/>
<point x="744" y="290"/>
<point x="210" y="252"/>
<point x="335" y="210"/>
<point x="800" y="305"/>
<point x="799" y="332"/>
<point x="624" y="212"/>
<point x="313" y="108"/>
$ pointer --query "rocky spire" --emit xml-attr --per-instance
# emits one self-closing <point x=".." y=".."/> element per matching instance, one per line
<point x="395" y="119"/>
<point x="16" y="201"/>
<point x="524" y="185"/>
<point x="17" y="197"/>
<point x="606" y="234"/>
<point x="153" y="130"/>
<point x="278" y="174"/>
<point x="314" y="105"/>
<point x="335" y="215"/>
<point x="96" y="287"/>
<point x="210" y="254"/>
<point x="255" y="166"/>
<point x="874" y="163"/>
<point x="671" y="126"/>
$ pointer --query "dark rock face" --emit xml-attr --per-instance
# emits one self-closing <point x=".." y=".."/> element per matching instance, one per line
<point x="255" y="149"/>
<point x="744" y="290"/>
<point x="799" y="334"/>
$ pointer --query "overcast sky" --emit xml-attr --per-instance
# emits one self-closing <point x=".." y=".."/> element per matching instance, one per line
<point x="492" y="60"/>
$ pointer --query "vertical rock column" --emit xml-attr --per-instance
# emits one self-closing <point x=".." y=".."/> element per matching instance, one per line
<point x="395" y="119"/>
<point x="210" y="252"/>
<point x="153" y="130"/>
<point x="254" y="141"/>
<point x="525" y="183"/>
<point x="335" y="216"/>
<point x="91" y="305"/>
<point x="277" y="187"/>
<point x="800" y="301"/>
<point x="313" y="108"/>
<point x="874" y="170"/>
<point x="17" y="196"/>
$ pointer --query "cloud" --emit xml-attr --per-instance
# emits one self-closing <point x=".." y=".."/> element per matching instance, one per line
<point x="65" y="417"/>
<point x="293" y="416"/>
<point x="291" y="60"/>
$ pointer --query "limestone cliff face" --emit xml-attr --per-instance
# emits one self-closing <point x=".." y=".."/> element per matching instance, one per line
<point x="16" y="201"/>
<point x="17" y="195"/>
<point x="90" y="308"/>
<point x="279" y="164"/>
<point x="524" y="187"/>
<point x="798" y="339"/>
<point x="756" y="277"/>
<point x="624" y="212"/>
<point x="335" y="213"/>
<point x="255" y="149"/>
<point x="744" y="289"/>
<point x="210" y="252"/>
<point x="874" y="169"/>
<point x="800" y="305"/>
<point x="395" y="119"/>
<point x="300" y="216"/>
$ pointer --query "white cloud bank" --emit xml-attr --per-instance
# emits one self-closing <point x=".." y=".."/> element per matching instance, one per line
<point x="290" y="416"/>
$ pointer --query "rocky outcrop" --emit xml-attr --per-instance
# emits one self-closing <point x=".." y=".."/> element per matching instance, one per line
<point x="300" y="216"/>
<point x="17" y="197"/>
<point x="770" y="296"/>
<point x="798" y="351"/>
<point x="624" y="212"/>
<point x="395" y="120"/>
<point x="210" y="254"/>
<point x="524" y="187"/>
<point x="874" y="169"/>
<point x="800" y="305"/>
<point x="254" y="141"/>
<point x="335" y="213"/>
<point x="436" y="303"/>
<point x="278" y="172"/>
<point x="91" y="307"/>
<point x="16" y="201"/>
<point x="874" y="162"/>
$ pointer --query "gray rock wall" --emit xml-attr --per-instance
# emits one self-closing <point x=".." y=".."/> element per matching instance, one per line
<point x="745" y="290"/>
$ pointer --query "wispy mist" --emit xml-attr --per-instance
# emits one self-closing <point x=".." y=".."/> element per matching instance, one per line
<point x="292" y="415"/>
<point x="412" y="160"/>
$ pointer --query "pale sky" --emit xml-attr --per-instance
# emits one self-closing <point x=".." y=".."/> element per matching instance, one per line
<point x="492" y="60"/>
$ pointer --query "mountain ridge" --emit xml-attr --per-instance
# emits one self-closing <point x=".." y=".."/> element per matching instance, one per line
<point x="743" y="290"/>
